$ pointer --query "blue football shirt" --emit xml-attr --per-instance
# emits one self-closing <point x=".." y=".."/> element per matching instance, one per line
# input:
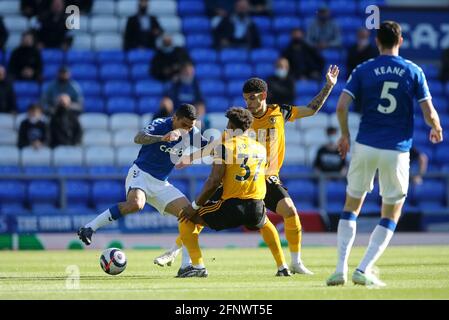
<point x="156" y="158"/>
<point x="385" y="89"/>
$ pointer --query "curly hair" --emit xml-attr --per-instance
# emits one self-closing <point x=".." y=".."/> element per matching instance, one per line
<point x="240" y="117"/>
<point x="255" y="85"/>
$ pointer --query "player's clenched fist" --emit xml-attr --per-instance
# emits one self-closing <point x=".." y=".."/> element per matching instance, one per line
<point x="172" y="135"/>
<point x="436" y="135"/>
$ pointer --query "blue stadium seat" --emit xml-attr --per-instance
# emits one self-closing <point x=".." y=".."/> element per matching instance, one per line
<point x="26" y="88"/>
<point x="78" y="209"/>
<point x="94" y="104"/>
<point x="431" y="191"/>
<point x="117" y="88"/>
<point x="233" y="55"/>
<point x="267" y="55"/>
<point x="80" y="56"/>
<point x="268" y="41"/>
<point x="50" y="71"/>
<point x="283" y="40"/>
<point x="286" y="23"/>
<point x="332" y="56"/>
<point x="199" y="41"/>
<point x="102" y="170"/>
<point x="431" y="71"/>
<point x="190" y="8"/>
<point x="238" y="101"/>
<point x="52" y="56"/>
<point x="10" y="170"/>
<point x="12" y="191"/>
<point x="373" y="197"/>
<point x="107" y="192"/>
<point x="350" y="24"/>
<point x="264" y="70"/>
<point x="148" y="88"/>
<point x="120" y="104"/>
<point x="294" y="168"/>
<point x="90" y="88"/>
<point x="212" y="87"/>
<point x="114" y="71"/>
<point x="217" y="104"/>
<point x="24" y="102"/>
<point x="110" y="56"/>
<point x="45" y="209"/>
<point x="263" y="24"/>
<point x="235" y="88"/>
<point x="336" y="191"/>
<point x="310" y="7"/>
<point x="43" y="192"/>
<point x="71" y="170"/>
<point x="13" y="209"/>
<point x="38" y="170"/>
<point x="140" y="71"/>
<point x="237" y="71"/>
<point x="440" y="103"/>
<point x="191" y="25"/>
<point x="436" y="88"/>
<point x="442" y="155"/>
<point x="302" y="190"/>
<point x="148" y="104"/>
<point x="140" y="55"/>
<point x="84" y="71"/>
<point x="201" y="56"/>
<point x="306" y="87"/>
<point x="208" y="71"/>
<point x="284" y="8"/>
<point x="77" y="192"/>
<point x="342" y="7"/>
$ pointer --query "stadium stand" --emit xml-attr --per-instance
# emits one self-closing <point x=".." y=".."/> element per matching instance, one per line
<point x="120" y="97"/>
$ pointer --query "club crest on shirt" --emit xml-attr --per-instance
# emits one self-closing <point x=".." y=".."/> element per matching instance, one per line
<point x="272" y="120"/>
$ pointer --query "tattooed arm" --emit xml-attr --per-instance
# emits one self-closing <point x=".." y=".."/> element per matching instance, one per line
<point x="145" y="138"/>
<point x="318" y="101"/>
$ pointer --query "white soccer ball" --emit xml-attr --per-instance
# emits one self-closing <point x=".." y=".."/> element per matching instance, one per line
<point x="113" y="261"/>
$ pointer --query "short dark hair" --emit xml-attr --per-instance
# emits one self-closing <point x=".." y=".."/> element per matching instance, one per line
<point x="34" y="106"/>
<point x="389" y="34"/>
<point x="186" y="110"/>
<point x="331" y="130"/>
<point x="256" y="85"/>
<point x="240" y="117"/>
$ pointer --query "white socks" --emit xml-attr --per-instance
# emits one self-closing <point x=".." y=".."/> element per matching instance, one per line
<point x="185" y="257"/>
<point x="347" y="227"/>
<point x="101" y="220"/>
<point x="296" y="257"/>
<point x="378" y="242"/>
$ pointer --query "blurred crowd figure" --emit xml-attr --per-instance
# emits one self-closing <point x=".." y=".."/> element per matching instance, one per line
<point x="33" y="130"/>
<point x="25" y="62"/>
<point x="7" y="94"/>
<point x="305" y="61"/>
<point x="166" y="108"/>
<point x="361" y="51"/>
<point x="327" y="159"/>
<point x="142" y="29"/>
<point x="235" y="29"/>
<point x="323" y="32"/>
<point x="168" y="59"/>
<point x="281" y="84"/>
<point x="63" y="84"/>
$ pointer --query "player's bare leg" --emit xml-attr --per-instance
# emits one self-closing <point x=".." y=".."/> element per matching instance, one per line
<point x="345" y="239"/>
<point x="135" y="201"/>
<point x="293" y="234"/>
<point x="379" y="240"/>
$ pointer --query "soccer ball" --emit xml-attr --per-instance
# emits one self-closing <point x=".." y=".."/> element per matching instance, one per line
<point x="113" y="261"/>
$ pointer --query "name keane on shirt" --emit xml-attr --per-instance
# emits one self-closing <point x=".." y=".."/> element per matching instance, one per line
<point x="389" y="70"/>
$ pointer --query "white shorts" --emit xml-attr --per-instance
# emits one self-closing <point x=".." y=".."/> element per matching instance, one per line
<point x="393" y="166"/>
<point x="158" y="193"/>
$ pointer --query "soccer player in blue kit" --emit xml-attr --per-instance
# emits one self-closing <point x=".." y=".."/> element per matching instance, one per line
<point x="384" y="88"/>
<point x="163" y="143"/>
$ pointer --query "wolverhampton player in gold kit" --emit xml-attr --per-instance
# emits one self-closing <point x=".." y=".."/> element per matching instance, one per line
<point x="269" y="123"/>
<point x="239" y="167"/>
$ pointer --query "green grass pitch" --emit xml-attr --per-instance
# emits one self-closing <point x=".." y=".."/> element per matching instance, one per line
<point x="410" y="273"/>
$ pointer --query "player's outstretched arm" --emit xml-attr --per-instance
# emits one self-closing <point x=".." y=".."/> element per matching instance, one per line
<point x="213" y="182"/>
<point x="342" y="114"/>
<point x="145" y="138"/>
<point x="432" y="120"/>
<point x="318" y="101"/>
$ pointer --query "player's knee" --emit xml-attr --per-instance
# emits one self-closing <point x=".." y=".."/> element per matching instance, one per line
<point x="135" y="205"/>
<point x="286" y="208"/>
